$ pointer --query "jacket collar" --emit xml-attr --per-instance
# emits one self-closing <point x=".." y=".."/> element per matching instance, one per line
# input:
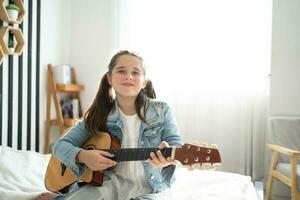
<point x="152" y="114"/>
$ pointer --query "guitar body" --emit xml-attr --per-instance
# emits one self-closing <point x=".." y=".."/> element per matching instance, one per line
<point x="58" y="178"/>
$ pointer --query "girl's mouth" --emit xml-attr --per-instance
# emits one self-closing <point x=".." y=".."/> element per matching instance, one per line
<point x="128" y="84"/>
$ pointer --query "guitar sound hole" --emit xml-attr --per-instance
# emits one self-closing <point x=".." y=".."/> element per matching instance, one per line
<point x="186" y="160"/>
<point x="208" y="151"/>
<point x="196" y="159"/>
<point x="90" y="147"/>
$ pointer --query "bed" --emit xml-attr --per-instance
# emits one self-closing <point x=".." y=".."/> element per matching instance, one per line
<point x="22" y="178"/>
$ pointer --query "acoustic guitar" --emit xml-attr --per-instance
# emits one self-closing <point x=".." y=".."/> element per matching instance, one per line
<point x="59" y="177"/>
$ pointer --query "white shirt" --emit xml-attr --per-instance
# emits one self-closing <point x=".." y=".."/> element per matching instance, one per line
<point x="132" y="171"/>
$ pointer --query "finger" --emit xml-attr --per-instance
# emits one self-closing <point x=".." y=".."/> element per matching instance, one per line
<point x="107" y="161"/>
<point x="154" y="159"/>
<point x="153" y="156"/>
<point x="153" y="163"/>
<point x="105" y="153"/>
<point x="163" y="145"/>
<point x="105" y="165"/>
<point x="160" y="157"/>
<point x="170" y="160"/>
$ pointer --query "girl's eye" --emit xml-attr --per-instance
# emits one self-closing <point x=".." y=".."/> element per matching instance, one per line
<point x="121" y="71"/>
<point x="136" y="73"/>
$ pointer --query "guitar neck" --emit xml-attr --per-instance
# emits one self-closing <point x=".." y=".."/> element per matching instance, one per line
<point x="137" y="154"/>
<point x="187" y="154"/>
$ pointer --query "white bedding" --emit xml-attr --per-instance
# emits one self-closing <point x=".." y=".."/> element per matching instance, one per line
<point x="21" y="174"/>
<point x="22" y="178"/>
<point x="212" y="185"/>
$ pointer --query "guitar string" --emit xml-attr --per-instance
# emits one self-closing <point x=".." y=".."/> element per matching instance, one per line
<point x="128" y="154"/>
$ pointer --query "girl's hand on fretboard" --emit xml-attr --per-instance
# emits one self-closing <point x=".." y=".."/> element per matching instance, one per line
<point x="158" y="160"/>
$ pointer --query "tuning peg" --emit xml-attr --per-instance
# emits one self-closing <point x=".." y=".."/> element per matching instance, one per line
<point x="216" y="165"/>
<point x="202" y="167"/>
<point x="190" y="167"/>
<point x="211" y="167"/>
<point x="204" y="144"/>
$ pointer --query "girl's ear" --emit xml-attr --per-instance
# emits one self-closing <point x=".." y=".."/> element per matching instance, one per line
<point x="108" y="76"/>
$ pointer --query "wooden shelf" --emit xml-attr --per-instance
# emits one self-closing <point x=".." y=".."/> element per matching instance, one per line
<point x="4" y="15"/>
<point x="53" y="90"/>
<point x="69" y="87"/>
<point x="1" y="55"/>
<point x="17" y="34"/>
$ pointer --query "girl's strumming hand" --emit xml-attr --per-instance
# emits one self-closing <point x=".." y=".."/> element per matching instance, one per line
<point x="95" y="159"/>
<point x="158" y="160"/>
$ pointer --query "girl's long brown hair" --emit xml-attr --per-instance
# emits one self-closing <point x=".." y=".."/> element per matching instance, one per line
<point x="96" y="116"/>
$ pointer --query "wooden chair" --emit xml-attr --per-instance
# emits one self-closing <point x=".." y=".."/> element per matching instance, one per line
<point x="287" y="173"/>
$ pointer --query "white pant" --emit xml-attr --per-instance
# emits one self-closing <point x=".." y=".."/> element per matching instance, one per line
<point x="88" y="192"/>
<point x="115" y="188"/>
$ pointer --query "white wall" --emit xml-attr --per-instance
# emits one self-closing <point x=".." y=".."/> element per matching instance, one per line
<point x="74" y="32"/>
<point x="55" y="31"/>
<point x="55" y="45"/>
<point x="285" y="70"/>
<point x="91" y="43"/>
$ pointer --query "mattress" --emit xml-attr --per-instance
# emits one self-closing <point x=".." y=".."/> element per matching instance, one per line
<point x="22" y="177"/>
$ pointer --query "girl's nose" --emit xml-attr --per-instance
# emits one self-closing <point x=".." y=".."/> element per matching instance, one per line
<point x="128" y="76"/>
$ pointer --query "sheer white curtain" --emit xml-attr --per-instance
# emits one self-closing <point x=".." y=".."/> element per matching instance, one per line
<point x="210" y="60"/>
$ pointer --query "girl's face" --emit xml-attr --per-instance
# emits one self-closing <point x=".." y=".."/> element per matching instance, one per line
<point x="127" y="77"/>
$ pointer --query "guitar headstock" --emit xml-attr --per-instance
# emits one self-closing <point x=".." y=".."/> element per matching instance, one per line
<point x="190" y="154"/>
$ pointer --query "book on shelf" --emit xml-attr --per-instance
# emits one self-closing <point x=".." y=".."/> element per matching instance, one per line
<point x="75" y="104"/>
<point x="70" y="108"/>
<point x="63" y="73"/>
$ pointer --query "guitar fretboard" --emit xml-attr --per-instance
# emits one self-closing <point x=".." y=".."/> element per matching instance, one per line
<point x="135" y="154"/>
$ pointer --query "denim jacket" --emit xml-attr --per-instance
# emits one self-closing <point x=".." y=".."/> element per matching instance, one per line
<point x="160" y="126"/>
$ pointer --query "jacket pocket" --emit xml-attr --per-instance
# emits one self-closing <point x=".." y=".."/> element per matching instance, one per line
<point x="152" y="136"/>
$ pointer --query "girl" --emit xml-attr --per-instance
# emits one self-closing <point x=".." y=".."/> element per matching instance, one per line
<point x="137" y="120"/>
